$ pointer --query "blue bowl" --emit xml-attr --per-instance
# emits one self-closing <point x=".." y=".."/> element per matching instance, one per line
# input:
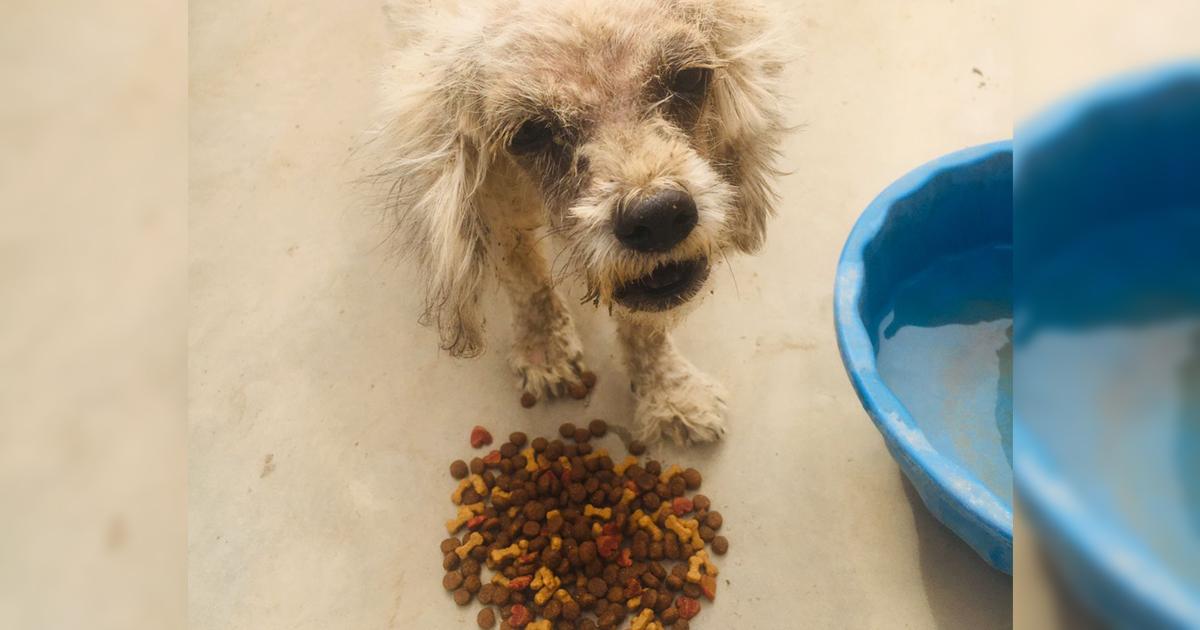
<point x="1107" y="424"/>
<point x="923" y="309"/>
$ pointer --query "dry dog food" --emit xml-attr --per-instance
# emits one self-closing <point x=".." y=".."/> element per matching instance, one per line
<point x="568" y="538"/>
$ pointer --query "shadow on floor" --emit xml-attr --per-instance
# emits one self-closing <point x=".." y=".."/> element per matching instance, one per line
<point x="963" y="591"/>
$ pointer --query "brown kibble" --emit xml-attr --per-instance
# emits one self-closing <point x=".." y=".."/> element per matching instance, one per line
<point x="578" y="391"/>
<point x="450" y="561"/>
<point x="589" y="378"/>
<point x="597" y="587"/>
<point x="528" y="400"/>
<point x="518" y="438"/>
<point x="598" y="427"/>
<point x="458" y="469"/>
<point x="714" y="520"/>
<point x="476" y="466"/>
<point x="452" y="581"/>
<point x="692" y="477"/>
<point x="485" y="593"/>
<point x="509" y="450"/>
<point x="539" y="444"/>
<point x="450" y="544"/>
<point x="636" y="448"/>
<point x="472" y="583"/>
<point x="462" y="597"/>
<point x="582" y="435"/>
<point x="567" y="429"/>
<point x="700" y="503"/>
<point x="486" y="618"/>
<point x="720" y="545"/>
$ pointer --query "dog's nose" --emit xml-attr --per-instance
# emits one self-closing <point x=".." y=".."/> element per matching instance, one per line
<point x="658" y="222"/>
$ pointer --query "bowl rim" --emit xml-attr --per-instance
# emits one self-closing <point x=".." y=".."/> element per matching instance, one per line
<point x="984" y="520"/>
<point x="1097" y="557"/>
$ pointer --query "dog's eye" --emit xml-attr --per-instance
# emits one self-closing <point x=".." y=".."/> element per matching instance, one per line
<point x="533" y="135"/>
<point x="690" y="81"/>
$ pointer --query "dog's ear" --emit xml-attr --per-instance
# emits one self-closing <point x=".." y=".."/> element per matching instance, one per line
<point x="434" y="164"/>
<point x="746" y="114"/>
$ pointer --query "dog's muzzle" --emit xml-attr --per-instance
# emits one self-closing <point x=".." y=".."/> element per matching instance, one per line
<point x="666" y="287"/>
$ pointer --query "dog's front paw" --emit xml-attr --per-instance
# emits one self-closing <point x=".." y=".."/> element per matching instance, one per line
<point x="550" y="364"/>
<point x="687" y="408"/>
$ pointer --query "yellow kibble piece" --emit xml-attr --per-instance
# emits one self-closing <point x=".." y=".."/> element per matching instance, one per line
<point x="541" y="624"/>
<point x="624" y="465"/>
<point x="530" y="460"/>
<point x="645" y="621"/>
<point x="590" y="510"/>
<point x="696" y="562"/>
<point x="473" y="541"/>
<point x="596" y="454"/>
<point x="497" y="493"/>
<point x="670" y="472"/>
<point x="500" y="555"/>
<point x="627" y="497"/>
<point x="465" y="513"/>
<point x="635" y="603"/>
<point x="647" y="523"/>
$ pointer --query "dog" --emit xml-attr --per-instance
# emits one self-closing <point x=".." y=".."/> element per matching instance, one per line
<point x="641" y="134"/>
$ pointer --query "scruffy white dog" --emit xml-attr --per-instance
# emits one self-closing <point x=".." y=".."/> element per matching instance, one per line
<point x="640" y="133"/>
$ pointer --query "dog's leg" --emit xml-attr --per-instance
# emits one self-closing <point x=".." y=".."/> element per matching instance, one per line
<point x="674" y="399"/>
<point x="547" y="356"/>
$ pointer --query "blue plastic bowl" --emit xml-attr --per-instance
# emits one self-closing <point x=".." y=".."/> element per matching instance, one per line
<point x="923" y="309"/>
<point x="1107" y="423"/>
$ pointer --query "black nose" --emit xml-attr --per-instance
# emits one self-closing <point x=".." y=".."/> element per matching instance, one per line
<point x="656" y="223"/>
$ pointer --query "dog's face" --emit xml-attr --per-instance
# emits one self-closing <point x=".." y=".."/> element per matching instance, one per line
<point x="647" y="128"/>
<point x="619" y="113"/>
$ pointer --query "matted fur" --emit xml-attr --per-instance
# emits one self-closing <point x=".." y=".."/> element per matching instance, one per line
<point x="463" y="78"/>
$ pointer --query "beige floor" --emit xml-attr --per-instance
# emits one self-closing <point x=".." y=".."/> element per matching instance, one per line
<point x="323" y="416"/>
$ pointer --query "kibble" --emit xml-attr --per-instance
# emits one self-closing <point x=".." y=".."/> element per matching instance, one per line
<point x="528" y="400"/>
<point x="589" y="379"/>
<point x="598" y="427"/>
<point x="573" y="540"/>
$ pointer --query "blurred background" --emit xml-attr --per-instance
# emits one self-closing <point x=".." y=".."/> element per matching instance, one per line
<point x="94" y="197"/>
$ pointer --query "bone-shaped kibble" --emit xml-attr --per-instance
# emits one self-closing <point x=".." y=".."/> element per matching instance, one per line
<point x="530" y="460"/>
<point x="624" y="465"/>
<point x="566" y="463"/>
<point x="590" y="510"/>
<point x="596" y="454"/>
<point x="474" y="481"/>
<point x="687" y="530"/>
<point x="500" y="555"/>
<point x="634" y="603"/>
<point x="645" y="621"/>
<point x="553" y="514"/>
<point x="627" y="497"/>
<point x="541" y="624"/>
<point x="563" y="596"/>
<point x="597" y="531"/>
<point x="547" y="582"/>
<point x="670" y="472"/>
<point x="473" y="541"/>
<point x="555" y="543"/>
<point x="696" y="562"/>
<point x="647" y="523"/>
<point x="465" y="513"/>
<point x="497" y="493"/>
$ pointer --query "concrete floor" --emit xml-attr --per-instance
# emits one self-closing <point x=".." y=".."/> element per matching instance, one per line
<point x="322" y="417"/>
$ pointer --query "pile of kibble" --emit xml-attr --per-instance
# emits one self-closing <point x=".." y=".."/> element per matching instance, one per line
<point x="573" y="540"/>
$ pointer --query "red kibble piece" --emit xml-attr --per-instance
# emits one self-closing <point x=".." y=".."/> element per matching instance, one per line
<point x="708" y="586"/>
<point x="681" y="505"/>
<point x="492" y="459"/>
<point x="475" y="522"/>
<point x="625" y="559"/>
<point x="608" y="546"/>
<point x="519" y="583"/>
<point x="687" y="607"/>
<point x="480" y="437"/>
<point x="519" y="616"/>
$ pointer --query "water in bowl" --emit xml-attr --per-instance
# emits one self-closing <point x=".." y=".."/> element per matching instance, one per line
<point x="945" y="348"/>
